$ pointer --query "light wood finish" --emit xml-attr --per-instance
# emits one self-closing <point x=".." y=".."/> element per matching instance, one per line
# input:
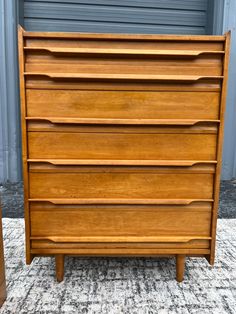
<point x="47" y="167"/>
<point x="114" y="251"/>
<point x="166" y="67"/>
<point x="129" y="77"/>
<point x="3" y="293"/>
<point x="181" y="221"/>
<point x="71" y="104"/>
<point x="24" y="141"/>
<point x="124" y="51"/>
<point x="42" y="82"/>
<point x="193" y="246"/>
<point x="186" y="122"/>
<point x="210" y="127"/>
<point x="138" y="145"/>
<point x="143" y="37"/>
<point x="180" y="265"/>
<point x="117" y="182"/>
<point x="121" y="239"/>
<point x="59" y="258"/>
<point x="125" y="162"/>
<point x="98" y="201"/>
<point x="122" y="139"/>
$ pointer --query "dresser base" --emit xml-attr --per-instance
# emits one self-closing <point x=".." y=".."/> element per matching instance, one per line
<point x="180" y="267"/>
<point x="180" y="261"/>
<point x="59" y="251"/>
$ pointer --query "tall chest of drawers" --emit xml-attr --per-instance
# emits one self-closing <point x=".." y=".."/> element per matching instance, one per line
<point x="122" y="139"/>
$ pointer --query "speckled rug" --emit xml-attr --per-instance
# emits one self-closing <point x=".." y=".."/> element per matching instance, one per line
<point x="110" y="285"/>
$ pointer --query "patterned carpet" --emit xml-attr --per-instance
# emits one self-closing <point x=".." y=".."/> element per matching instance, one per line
<point x="109" y="285"/>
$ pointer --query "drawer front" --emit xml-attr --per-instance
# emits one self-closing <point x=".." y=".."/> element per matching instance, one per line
<point x="124" y="56"/>
<point x="122" y="104"/>
<point x="120" y="220"/>
<point x="117" y="248"/>
<point x="202" y="65"/>
<point x="119" y="182"/>
<point x="123" y="143"/>
<point x="124" y="42"/>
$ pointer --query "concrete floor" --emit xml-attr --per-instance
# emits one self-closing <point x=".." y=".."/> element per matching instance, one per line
<point x="12" y="200"/>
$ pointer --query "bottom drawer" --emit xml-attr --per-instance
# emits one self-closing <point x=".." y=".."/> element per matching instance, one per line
<point x="120" y="223"/>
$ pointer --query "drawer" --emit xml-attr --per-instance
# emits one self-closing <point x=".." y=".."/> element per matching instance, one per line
<point x="122" y="104"/>
<point x="52" y="60"/>
<point x="123" y="56"/>
<point x="56" y="245"/>
<point x="122" y="82"/>
<point x="114" y="221"/>
<point x="120" y="183"/>
<point x="119" y="41"/>
<point x="55" y="141"/>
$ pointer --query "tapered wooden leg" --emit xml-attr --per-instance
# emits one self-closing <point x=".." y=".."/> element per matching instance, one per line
<point x="3" y="293"/>
<point x="59" y="267"/>
<point x="180" y="265"/>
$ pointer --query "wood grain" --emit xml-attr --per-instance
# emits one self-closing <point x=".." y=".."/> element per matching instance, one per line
<point x="45" y="62"/>
<point x="116" y="201"/>
<point x="191" y="53"/>
<point x="45" y="82"/>
<point x="180" y="265"/>
<point x="59" y="267"/>
<point x="193" y="245"/>
<point x="125" y="37"/>
<point x="124" y="77"/>
<point x="123" y="185"/>
<point x="24" y="139"/>
<point x="72" y="221"/>
<point x="136" y="146"/>
<point x="122" y="104"/>
<point x="129" y="252"/>
<point x="122" y="138"/>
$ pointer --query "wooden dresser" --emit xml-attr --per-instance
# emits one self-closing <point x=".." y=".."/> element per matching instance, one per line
<point x="122" y="139"/>
<point x="2" y="267"/>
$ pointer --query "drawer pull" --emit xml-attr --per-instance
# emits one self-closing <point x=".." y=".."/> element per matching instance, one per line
<point x="111" y="76"/>
<point x="187" y="122"/>
<point x="150" y="52"/>
<point x="121" y="201"/>
<point x="106" y="162"/>
<point x="123" y="239"/>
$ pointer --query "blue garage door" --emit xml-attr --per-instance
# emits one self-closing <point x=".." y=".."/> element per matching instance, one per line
<point x="119" y="16"/>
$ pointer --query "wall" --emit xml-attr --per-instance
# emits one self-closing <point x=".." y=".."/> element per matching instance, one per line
<point x="10" y="161"/>
<point x="124" y="16"/>
<point x="229" y="150"/>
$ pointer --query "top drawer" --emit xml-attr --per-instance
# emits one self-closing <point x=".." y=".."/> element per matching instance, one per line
<point x="114" y="41"/>
<point x="122" y="56"/>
